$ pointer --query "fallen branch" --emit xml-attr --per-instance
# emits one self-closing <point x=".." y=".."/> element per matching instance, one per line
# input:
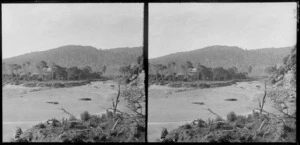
<point x="262" y="124"/>
<point x="66" y="112"/>
<point x="115" y="125"/>
<point x="213" y="112"/>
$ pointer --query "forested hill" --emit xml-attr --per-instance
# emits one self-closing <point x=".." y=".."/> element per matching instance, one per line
<point x="227" y="56"/>
<point x="80" y="56"/>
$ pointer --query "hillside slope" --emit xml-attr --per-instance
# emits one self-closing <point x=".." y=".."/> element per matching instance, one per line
<point x="227" y="56"/>
<point x="76" y="55"/>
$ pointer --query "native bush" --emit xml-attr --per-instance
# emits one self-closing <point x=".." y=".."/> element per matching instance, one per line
<point x="85" y="116"/>
<point x="164" y="133"/>
<point x="187" y="126"/>
<point x="41" y="125"/>
<point x="201" y="123"/>
<point x="231" y="116"/>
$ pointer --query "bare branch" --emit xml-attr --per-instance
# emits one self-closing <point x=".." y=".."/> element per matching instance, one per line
<point x="115" y="104"/>
<point x="115" y="125"/>
<point x="66" y="111"/>
<point x="213" y="112"/>
<point x="262" y="124"/>
<point x="261" y="104"/>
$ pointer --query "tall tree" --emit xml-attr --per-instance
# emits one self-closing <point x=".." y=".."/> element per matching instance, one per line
<point x="220" y="74"/>
<point x="189" y="64"/>
<point x="174" y="66"/>
<point x="26" y="66"/>
<point x="40" y="67"/>
<point x="250" y="69"/>
<point x="72" y="72"/>
<point x="205" y="72"/>
<point x="184" y="68"/>
<point x="59" y="72"/>
<point x="103" y="69"/>
<point x="87" y="70"/>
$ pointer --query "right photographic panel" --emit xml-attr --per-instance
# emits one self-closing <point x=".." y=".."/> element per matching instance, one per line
<point x="222" y="72"/>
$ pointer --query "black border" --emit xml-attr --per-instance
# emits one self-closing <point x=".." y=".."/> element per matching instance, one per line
<point x="146" y="11"/>
<point x="146" y="1"/>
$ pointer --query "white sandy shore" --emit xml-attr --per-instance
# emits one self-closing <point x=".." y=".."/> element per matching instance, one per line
<point x="24" y="107"/>
<point x="169" y="108"/>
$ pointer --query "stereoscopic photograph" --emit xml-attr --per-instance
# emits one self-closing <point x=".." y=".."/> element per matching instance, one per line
<point x="222" y="72"/>
<point x="73" y="72"/>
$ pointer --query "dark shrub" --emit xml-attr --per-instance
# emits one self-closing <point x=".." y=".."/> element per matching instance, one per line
<point x="255" y="115"/>
<point x="164" y="133"/>
<point x="41" y="125"/>
<point x="78" y="138"/>
<point x="55" y="123"/>
<point x="113" y="133"/>
<point x="201" y="123"/>
<point x="94" y="120"/>
<point x="287" y="128"/>
<point x="231" y="117"/>
<point x="103" y="117"/>
<point x="187" y="126"/>
<point x="225" y="138"/>
<point x="85" y="116"/>
<point x="69" y="125"/>
<point x="273" y="81"/>
<point x="109" y="114"/>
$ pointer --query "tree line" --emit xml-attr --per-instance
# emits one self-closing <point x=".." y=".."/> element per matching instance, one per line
<point x="189" y="72"/>
<point x="50" y="72"/>
<point x="56" y="72"/>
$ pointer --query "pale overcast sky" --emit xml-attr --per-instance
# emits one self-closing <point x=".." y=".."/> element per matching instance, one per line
<point x="184" y="27"/>
<point x="37" y="27"/>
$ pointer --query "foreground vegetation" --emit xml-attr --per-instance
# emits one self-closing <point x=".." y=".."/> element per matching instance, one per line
<point x="90" y="128"/>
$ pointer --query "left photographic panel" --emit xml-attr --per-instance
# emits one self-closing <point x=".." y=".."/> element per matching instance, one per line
<point x="73" y="73"/>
